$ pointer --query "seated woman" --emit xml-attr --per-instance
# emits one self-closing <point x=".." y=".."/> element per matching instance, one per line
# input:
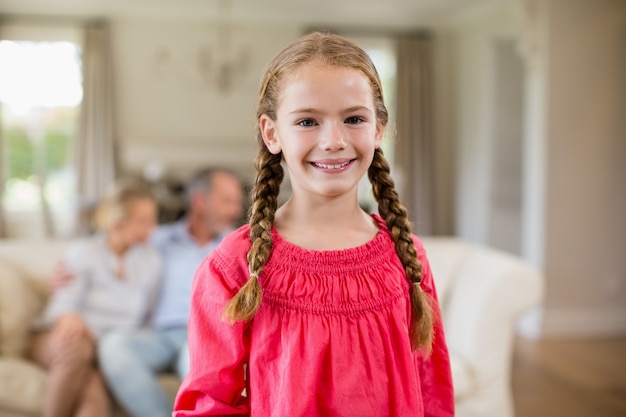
<point x="116" y="277"/>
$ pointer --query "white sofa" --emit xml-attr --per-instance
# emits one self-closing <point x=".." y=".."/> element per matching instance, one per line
<point x="482" y="293"/>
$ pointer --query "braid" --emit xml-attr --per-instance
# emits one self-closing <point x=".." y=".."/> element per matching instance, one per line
<point x="395" y="216"/>
<point x="270" y="174"/>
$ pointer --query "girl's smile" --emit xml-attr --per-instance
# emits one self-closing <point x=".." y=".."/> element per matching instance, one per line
<point x="333" y="165"/>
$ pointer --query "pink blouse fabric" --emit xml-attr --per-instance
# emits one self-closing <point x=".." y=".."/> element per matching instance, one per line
<point x="330" y="337"/>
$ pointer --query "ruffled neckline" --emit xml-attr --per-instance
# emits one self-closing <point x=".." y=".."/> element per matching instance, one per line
<point x="360" y="257"/>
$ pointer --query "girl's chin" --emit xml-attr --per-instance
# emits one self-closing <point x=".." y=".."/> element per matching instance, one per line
<point x="334" y="192"/>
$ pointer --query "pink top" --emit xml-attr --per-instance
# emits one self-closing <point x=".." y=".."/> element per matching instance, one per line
<point x="330" y="337"/>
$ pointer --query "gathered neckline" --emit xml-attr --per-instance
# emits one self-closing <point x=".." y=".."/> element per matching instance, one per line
<point x="349" y="259"/>
<point x="380" y="223"/>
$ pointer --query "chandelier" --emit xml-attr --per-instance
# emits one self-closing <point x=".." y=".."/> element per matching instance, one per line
<point x="220" y="63"/>
<point x="216" y="63"/>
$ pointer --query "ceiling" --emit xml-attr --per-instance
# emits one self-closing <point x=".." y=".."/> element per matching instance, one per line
<point x="363" y="13"/>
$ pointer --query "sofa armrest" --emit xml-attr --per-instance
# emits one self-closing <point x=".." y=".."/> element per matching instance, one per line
<point x="21" y="386"/>
<point x="19" y="305"/>
<point x="491" y="290"/>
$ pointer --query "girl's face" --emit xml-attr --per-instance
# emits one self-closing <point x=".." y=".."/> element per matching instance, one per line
<point x="326" y="128"/>
<point x="141" y="220"/>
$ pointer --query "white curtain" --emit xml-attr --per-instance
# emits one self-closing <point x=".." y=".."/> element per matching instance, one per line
<point x="414" y="155"/>
<point x="96" y="162"/>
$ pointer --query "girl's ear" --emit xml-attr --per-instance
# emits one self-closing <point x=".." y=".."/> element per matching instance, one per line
<point x="378" y="138"/>
<point x="270" y="134"/>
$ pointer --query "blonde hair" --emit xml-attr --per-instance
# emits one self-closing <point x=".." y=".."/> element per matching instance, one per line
<point x="116" y="205"/>
<point x="337" y="51"/>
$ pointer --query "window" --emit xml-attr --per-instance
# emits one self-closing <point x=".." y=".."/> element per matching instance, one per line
<point x="40" y="97"/>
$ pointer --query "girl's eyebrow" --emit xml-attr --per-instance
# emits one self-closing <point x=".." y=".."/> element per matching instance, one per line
<point x="307" y="110"/>
<point x="348" y="110"/>
<point x="356" y="108"/>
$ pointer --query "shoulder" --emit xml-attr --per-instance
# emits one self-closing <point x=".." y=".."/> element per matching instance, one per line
<point x="419" y="247"/>
<point x="86" y="246"/>
<point x="230" y="255"/>
<point x="234" y="247"/>
<point x="228" y="262"/>
<point x="147" y="252"/>
<point x="83" y="253"/>
<point x="165" y="232"/>
<point x="382" y="225"/>
<point x="428" y="284"/>
<point x="149" y="258"/>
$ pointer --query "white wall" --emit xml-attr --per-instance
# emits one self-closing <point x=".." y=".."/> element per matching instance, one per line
<point x="167" y="114"/>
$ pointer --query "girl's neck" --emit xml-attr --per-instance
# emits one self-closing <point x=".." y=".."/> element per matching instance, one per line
<point x="332" y="225"/>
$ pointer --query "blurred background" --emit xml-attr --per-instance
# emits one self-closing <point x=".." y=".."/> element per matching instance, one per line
<point x="508" y="121"/>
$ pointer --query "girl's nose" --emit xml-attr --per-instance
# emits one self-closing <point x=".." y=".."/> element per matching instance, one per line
<point x="333" y="138"/>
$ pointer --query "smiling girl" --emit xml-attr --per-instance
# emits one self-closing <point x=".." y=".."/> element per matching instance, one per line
<point x="317" y="308"/>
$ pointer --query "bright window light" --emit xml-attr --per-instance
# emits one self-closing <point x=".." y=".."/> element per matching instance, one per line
<point x="39" y="74"/>
<point x="40" y="96"/>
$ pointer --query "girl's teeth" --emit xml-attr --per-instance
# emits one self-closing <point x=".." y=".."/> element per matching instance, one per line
<point x="333" y="166"/>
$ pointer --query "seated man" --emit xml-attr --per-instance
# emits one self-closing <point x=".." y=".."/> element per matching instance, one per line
<point x="130" y="361"/>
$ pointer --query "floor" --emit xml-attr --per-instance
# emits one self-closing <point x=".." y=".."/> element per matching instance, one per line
<point x="570" y="378"/>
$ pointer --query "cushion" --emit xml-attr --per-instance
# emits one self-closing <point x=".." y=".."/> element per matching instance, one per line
<point x="19" y="305"/>
<point x="22" y="385"/>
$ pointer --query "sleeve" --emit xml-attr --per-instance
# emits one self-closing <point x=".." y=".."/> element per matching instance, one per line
<point x="218" y="350"/>
<point x="69" y="298"/>
<point x="435" y="372"/>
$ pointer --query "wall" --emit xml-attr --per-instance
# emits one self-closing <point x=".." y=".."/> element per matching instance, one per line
<point x="574" y="150"/>
<point x="585" y="227"/>
<point x="171" y="117"/>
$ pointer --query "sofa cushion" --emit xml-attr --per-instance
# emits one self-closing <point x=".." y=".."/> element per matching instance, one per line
<point x="21" y="386"/>
<point x="19" y="305"/>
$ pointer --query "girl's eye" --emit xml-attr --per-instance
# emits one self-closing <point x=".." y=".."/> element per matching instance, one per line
<point x="306" y="123"/>
<point x="354" y="120"/>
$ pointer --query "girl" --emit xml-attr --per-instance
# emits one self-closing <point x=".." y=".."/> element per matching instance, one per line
<point x="328" y="311"/>
<point x="115" y="276"/>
